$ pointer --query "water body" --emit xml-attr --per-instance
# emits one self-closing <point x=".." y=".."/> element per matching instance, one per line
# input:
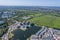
<point x="6" y="16"/>
<point x="1" y="22"/>
<point x="23" y="35"/>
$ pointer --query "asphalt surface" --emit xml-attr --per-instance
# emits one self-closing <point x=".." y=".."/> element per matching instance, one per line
<point x="47" y="33"/>
<point x="11" y="28"/>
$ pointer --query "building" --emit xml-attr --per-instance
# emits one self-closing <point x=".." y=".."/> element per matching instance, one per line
<point x="39" y="34"/>
<point x="25" y="25"/>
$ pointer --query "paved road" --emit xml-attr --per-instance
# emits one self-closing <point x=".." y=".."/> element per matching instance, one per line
<point x="49" y="35"/>
<point x="41" y="32"/>
<point x="11" y="28"/>
<point x="52" y="34"/>
<point x="38" y="35"/>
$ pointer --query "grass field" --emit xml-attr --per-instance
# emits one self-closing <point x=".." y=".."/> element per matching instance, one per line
<point x="47" y="20"/>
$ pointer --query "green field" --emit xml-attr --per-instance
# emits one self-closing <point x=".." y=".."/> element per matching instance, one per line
<point x="47" y="20"/>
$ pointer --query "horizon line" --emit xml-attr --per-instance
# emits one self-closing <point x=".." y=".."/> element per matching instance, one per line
<point x="28" y="5"/>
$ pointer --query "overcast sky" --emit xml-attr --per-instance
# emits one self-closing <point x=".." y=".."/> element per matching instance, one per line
<point x="30" y="2"/>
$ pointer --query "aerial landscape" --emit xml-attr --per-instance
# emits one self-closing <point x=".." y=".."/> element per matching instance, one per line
<point x="29" y="20"/>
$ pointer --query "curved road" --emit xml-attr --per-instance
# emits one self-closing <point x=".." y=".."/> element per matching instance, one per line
<point x="11" y="28"/>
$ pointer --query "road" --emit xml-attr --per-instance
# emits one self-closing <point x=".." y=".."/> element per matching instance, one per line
<point x="52" y="33"/>
<point x="11" y="28"/>
<point x="49" y="35"/>
<point x="39" y="33"/>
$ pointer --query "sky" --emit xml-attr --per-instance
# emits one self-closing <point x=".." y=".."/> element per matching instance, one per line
<point x="30" y="2"/>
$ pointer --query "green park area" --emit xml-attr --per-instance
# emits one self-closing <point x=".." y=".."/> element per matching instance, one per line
<point x="47" y="20"/>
